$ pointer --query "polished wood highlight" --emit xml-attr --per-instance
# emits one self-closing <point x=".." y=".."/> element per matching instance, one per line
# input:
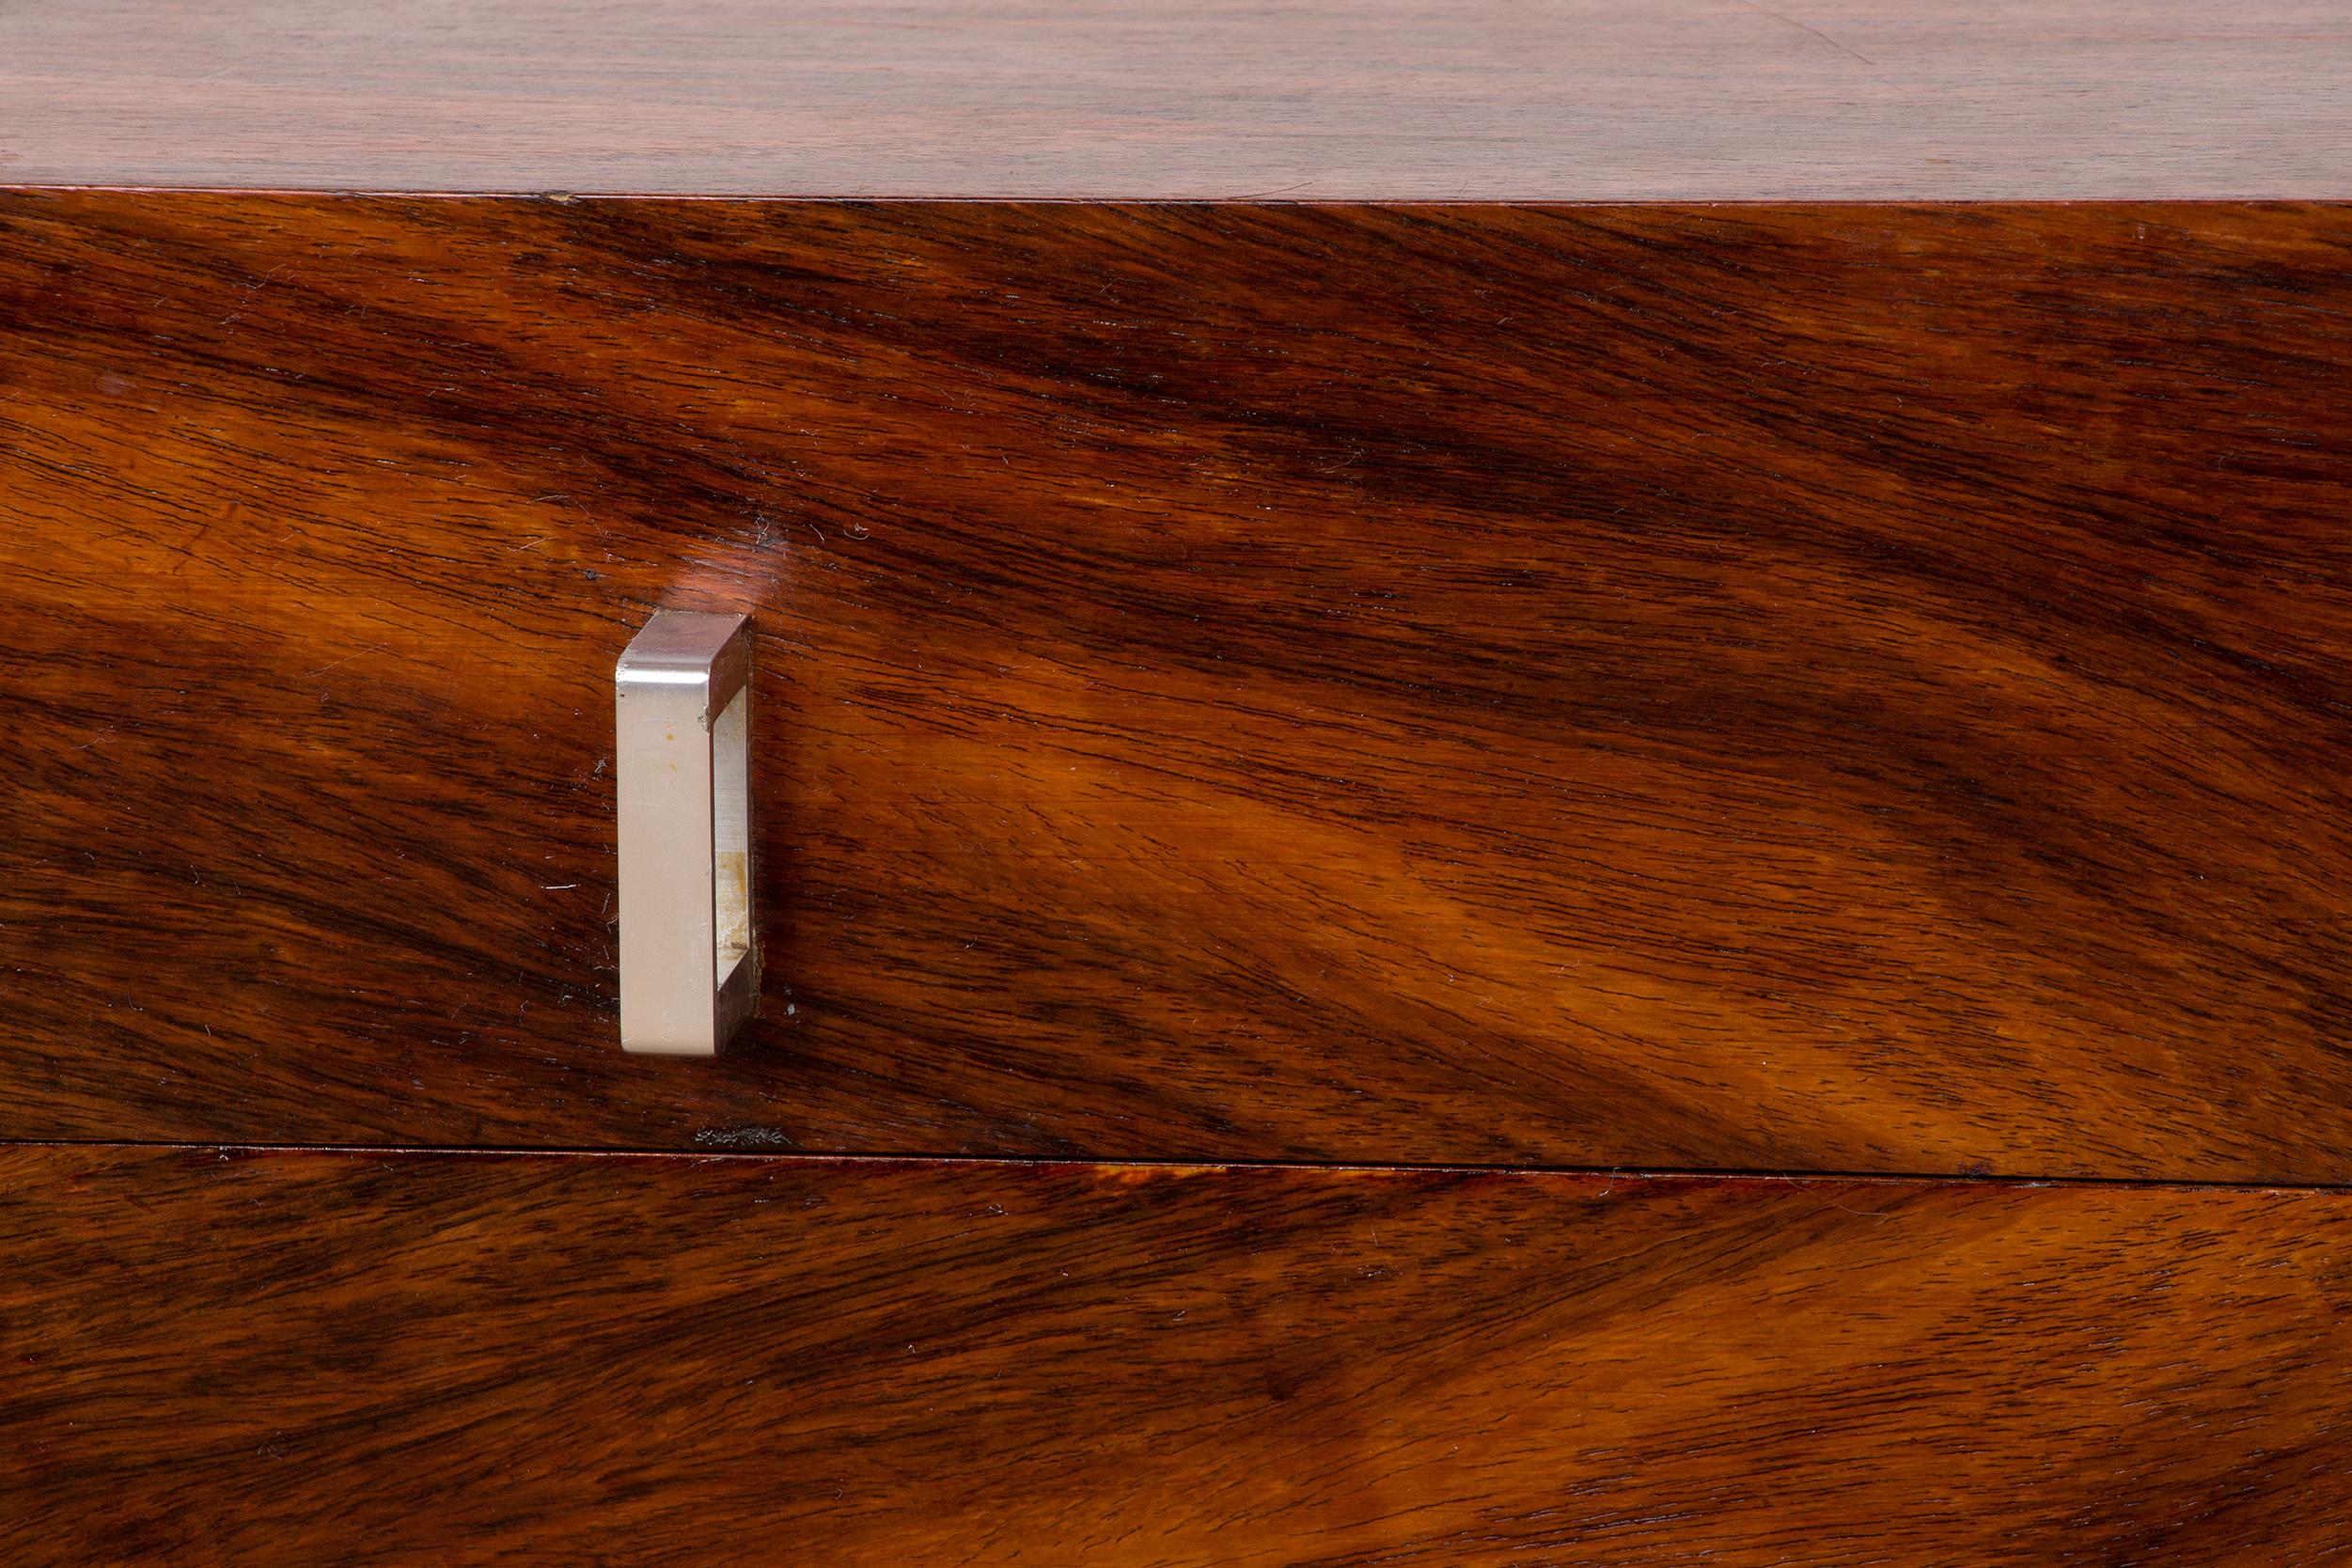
<point x="222" y="1356"/>
<point x="1309" y="100"/>
<point x="1814" y="688"/>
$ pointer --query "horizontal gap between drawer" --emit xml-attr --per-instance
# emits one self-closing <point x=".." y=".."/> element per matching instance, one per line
<point x="1651" y="1173"/>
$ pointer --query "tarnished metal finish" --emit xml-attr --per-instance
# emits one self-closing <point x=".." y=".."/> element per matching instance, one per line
<point x="689" y="962"/>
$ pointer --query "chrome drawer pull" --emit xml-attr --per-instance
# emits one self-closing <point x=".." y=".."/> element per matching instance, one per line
<point x="689" y="964"/>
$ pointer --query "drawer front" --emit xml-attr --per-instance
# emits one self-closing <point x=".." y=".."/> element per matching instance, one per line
<point x="318" y="1356"/>
<point x="1839" y="688"/>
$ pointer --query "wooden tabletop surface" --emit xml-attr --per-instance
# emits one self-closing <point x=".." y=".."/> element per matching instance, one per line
<point x="1328" y="99"/>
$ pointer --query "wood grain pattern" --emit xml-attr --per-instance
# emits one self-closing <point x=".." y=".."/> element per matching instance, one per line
<point x="1309" y="100"/>
<point x="1770" y="688"/>
<point x="229" y="1356"/>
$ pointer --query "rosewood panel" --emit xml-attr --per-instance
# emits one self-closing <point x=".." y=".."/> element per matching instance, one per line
<point x="220" y="1355"/>
<point x="1819" y="688"/>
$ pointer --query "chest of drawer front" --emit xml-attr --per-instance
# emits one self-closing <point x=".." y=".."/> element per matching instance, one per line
<point x="1534" y="783"/>
<point x="1812" y="688"/>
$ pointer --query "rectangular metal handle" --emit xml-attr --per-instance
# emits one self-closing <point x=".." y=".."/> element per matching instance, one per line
<point x="689" y="964"/>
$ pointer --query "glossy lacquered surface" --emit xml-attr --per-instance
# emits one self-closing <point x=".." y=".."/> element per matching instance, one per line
<point x="1818" y="688"/>
<point x="305" y="1358"/>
